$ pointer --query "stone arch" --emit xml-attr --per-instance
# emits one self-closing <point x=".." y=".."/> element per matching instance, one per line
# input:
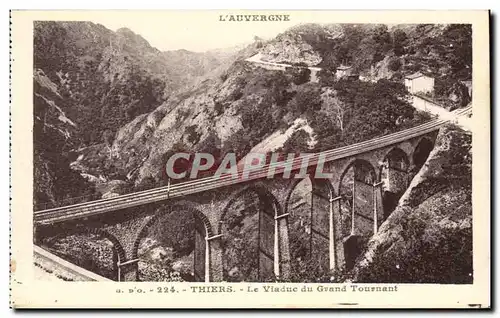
<point x="395" y="177"/>
<point x="251" y="243"/>
<point x="119" y="255"/>
<point x="293" y="185"/>
<point x="396" y="154"/>
<point x="260" y="188"/>
<point x="361" y="208"/>
<point x="116" y="244"/>
<point x="185" y="205"/>
<point x="406" y="147"/>
<point x="367" y="176"/>
<point x="199" y="219"/>
<point x="421" y="152"/>
<point x="310" y="230"/>
<point x="367" y="167"/>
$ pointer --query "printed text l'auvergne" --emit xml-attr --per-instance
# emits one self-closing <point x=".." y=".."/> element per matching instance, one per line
<point x="254" y="17"/>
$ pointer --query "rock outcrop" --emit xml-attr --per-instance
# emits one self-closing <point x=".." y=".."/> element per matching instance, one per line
<point x="89" y="82"/>
<point x="428" y="238"/>
<point x="290" y="49"/>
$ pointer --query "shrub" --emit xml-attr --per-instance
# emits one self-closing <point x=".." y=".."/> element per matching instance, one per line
<point x="307" y="98"/>
<point x="327" y="77"/>
<point x="219" y="108"/>
<point x="300" y="75"/>
<point x="394" y="64"/>
<point x="297" y="143"/>
<point x="223" y="77"/>
<point x="192" y="135"/>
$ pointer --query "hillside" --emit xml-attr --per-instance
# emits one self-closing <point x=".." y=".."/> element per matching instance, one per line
<point x="236" y="107"/>
<point x="108" y="78"/>
<point x="428" y="238"/>
<point x="88" y="82"/>
<point x="131" y="116"/>
<point x="53" y="134"/>
<point x="440" y="50"/>
<point x="381" y="52"/>
<point x="243" y="106"/>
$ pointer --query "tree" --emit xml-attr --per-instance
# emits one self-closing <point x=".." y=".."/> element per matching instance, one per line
<point x="212" y="145"/>
<point x="457" y="41"/>
<point x="238" y="143"/>
<point x="399" y="41"/>
<point x="297" y="143"/>
<point x="335" y="107"/>
<point x="327" y="133"/>
<point x="365" y="54"/>
<point x="107" y="138"/>
<point x="382" y="38"/>
<point x="353" y="35"/>
<point x="192" y="135"/>
<point x="373" y="108"/>
<point x="277" y="84"/>
<point x="300" y="74"/>
<point x="394" y="64"/>
<point x="330" y="62"/>
<point x="307" y="99"/>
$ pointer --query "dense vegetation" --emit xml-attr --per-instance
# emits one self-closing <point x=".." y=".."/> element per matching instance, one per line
<point x="104" y="83"/>
<point x="442" y="50"/>
<point x="90" y="251"/>
<point x="343" y="111"/>
<point x="168" y="247"/>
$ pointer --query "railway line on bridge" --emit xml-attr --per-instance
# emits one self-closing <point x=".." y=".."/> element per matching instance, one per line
<point x="92" y="208"/>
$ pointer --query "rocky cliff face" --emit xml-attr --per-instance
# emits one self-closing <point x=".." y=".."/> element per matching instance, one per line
<point x="428" y="238"/>
<point x="90" y="81"/>
<point x="298" y="44"/>
<point x="201" y="118"/>
<point x="53" y="135"/>
<point x="108" y="78"/>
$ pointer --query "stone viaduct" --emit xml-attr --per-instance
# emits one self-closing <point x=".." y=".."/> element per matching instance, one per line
<point x="343" y="212"/>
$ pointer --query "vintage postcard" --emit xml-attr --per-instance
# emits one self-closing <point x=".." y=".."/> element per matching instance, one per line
<point x="250" y="159"/>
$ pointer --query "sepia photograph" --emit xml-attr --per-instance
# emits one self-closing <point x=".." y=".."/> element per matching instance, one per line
<point x="287" y="151"/>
